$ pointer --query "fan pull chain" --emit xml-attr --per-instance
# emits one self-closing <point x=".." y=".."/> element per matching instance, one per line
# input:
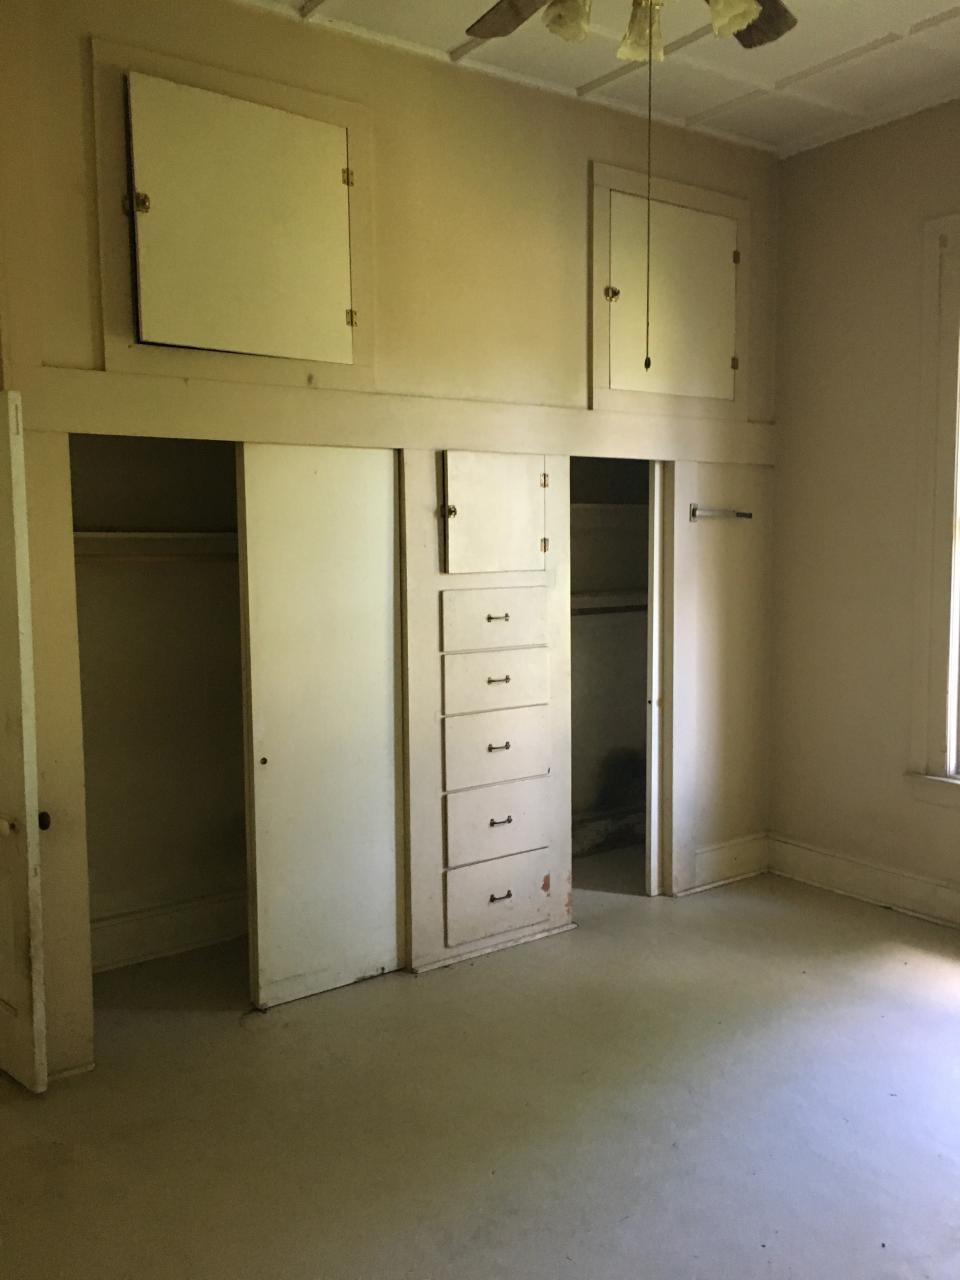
<point x="647" y="360"/>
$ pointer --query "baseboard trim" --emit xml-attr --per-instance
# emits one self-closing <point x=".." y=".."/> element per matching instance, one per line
<point x="67" y="1073"/>
<point x="488" y="949"/>
<point x="903" y="891"/>
<point x="732" y="860"/>
<point x="134" y="936"/>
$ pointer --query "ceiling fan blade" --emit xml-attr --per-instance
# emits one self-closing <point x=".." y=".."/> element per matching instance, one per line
<point x="504" y="18"/>
<point x="775" y="21"/>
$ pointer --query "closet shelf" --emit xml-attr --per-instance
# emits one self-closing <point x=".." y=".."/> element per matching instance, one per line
<point x="595" y="602"/>
<point x="125" y="545"/>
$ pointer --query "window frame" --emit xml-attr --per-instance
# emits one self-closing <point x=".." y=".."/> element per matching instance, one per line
<point x="935" y="749"/>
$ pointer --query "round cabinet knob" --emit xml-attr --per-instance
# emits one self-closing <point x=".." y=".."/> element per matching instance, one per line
<point x="44" y="819"/>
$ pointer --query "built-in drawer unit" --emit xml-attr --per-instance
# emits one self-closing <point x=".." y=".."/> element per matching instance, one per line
<point x="495" y="679"/>
<point x="493" y="897"/>
<point x="494" y="618"/>
<point x="496" y="746"/>
<point x="491" y="822"/>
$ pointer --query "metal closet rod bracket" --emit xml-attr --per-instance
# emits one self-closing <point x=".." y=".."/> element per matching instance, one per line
<point x="717" y="513"/>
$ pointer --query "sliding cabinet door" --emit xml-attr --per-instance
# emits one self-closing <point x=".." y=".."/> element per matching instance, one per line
<point x="318" y="547"/>
<point x="717" y="671"/>
<point x="23" y="1037"/>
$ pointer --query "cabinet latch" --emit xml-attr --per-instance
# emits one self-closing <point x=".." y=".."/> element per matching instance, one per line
<point x="544" y="544"/>
<point x="346" y="177"/>
<point x="544" y="480"/>
<point x="352" y="320"/>
<point x="735" y="363"/>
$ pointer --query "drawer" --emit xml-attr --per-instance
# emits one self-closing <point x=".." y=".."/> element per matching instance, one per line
<point x="495" y="746"/>
<point x="494" y="897"/>
<point x="491" y="822"/>
<point x="497" y="678"/>
<point x="494" y="618"/>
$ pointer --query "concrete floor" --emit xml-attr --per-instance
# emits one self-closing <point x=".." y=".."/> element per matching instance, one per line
<point x="762" y="1081"/>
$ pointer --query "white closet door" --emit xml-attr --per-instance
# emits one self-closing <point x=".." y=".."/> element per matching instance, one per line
<point x="23" y="1033"/>
<point x="719" y="580"/>
<point x="318" y="540"/>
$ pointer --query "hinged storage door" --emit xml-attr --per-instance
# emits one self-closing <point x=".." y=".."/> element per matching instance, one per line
<point x="693" y="299"/>
<point x="318" y="569"/>
<point x="23" y="1045"/>
<point x="242" y="218"/>
<point x="495" y="512"/>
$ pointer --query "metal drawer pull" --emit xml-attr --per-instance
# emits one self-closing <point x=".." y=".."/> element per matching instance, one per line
<point x="505" y="747"/>
<point x="498" y="680"/>
<point x="502" y="822"/>
<point x="498" y="617"/>
<point x="503" y="896"/>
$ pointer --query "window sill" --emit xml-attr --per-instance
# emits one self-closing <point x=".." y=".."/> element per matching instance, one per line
<point x="935" y="790"/>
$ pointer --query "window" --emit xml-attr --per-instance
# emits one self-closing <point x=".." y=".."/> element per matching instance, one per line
<point x="936" y="747"/>
<point x="953" y="664"/>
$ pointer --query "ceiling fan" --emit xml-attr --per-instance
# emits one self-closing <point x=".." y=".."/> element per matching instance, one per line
<point x="752" y="22"/>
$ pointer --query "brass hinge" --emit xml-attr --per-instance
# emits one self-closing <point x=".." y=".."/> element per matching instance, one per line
<point x="544" y="544"/>
<point x="544" y="480"/>
<point x="346" y="177"/>
<point x="736" y="257"/>
<point x="139" y="204"/>
<point x="352" y="320"/>
<point x="735" y="363"/>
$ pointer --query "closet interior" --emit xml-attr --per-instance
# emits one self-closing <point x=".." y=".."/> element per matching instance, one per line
<point x="158" y="601"/>
<point x="609" y="573"/>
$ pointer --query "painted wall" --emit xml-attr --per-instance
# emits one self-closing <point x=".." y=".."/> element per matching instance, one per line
<point x="162" y="699"/>
<point x="849" y="413"/>
<point x="481" y="193"/>
<point x="480" y="262"/>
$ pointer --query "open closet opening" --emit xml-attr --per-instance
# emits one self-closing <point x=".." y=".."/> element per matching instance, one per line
<point x="158" y="599"/>
<point x="610" y="558"/>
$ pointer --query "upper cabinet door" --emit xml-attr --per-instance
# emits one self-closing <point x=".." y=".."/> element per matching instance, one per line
<point x="495" y="512"/>
<point x="693" y="299"/>
<point x="23" y="1040"/>
<point x="242" y="225"/>
<point x="699" y="319"/>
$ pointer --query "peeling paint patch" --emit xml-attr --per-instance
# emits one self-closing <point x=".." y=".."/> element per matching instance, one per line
<point x="568" y="904"/>
<point x="545" y="884"/>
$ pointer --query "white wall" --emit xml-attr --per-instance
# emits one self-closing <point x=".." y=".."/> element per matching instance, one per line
<point x="480" y="261"/>
<point x="481" y="194"/>
<point x="849" y="410"/>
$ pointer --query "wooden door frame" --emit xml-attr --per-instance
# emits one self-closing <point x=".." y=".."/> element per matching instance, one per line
<point x="653" y="851"/>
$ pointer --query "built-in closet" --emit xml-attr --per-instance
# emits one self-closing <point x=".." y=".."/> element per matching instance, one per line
<point x="158" y="601"/>
<point x="238" y="657"/>
<point x="609" y="555"/>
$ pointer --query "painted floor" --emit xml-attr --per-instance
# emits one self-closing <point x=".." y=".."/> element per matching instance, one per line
<point x="611" y="870"/>
<point x="762" y="1081"/>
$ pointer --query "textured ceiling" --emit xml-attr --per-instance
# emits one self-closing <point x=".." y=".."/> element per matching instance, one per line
<point x="847" y="66"/>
